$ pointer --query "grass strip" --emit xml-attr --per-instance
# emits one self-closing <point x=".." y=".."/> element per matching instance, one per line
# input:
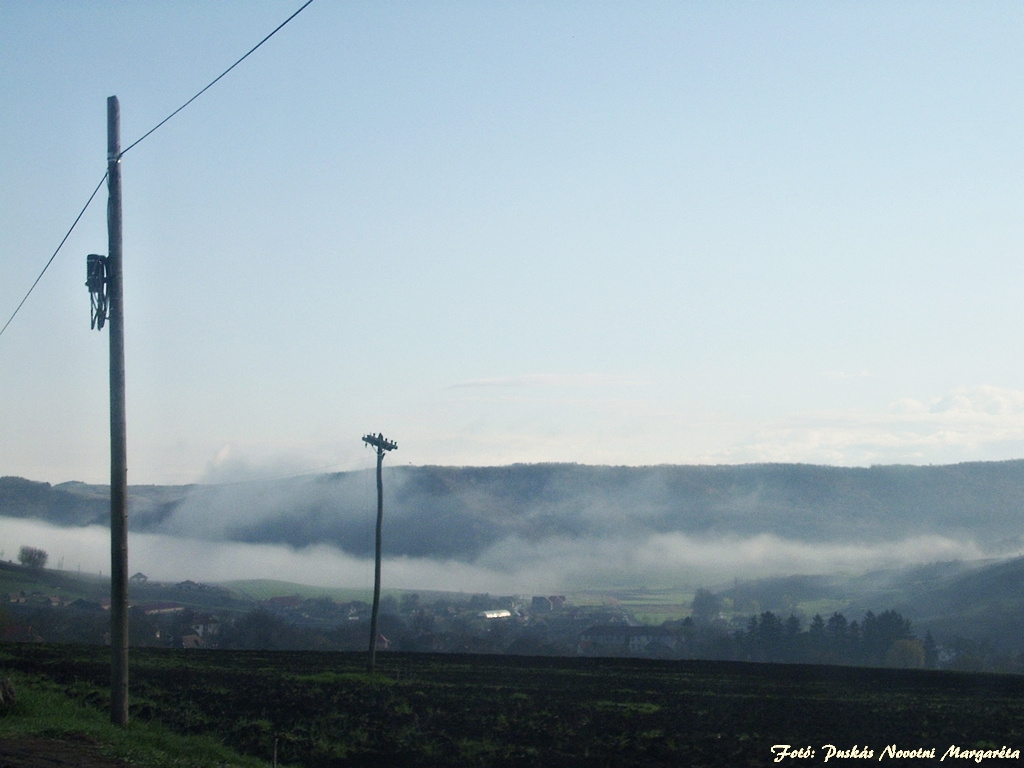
<point x="44" y="710"/>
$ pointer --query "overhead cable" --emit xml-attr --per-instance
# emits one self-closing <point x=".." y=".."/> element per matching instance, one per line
<point x="66" y="236"/>
<point x="212" y="82"/>
<point x="137" y="141"/>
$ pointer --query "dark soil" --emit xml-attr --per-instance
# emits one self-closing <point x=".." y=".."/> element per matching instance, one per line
<point x="35" y="752"/>
<point x="320" y="710"/>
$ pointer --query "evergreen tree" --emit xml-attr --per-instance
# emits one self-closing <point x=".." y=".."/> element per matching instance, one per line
<point x="817" y="640"/>
<point x="931" y="651"/>
<point x="793" y="645"/>
<point x="880" y="633"/>
<point x="837" y="636"/>
<point x="769" y="637"/>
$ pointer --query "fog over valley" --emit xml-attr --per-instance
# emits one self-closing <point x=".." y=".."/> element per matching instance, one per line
<point x="537" y="527"/>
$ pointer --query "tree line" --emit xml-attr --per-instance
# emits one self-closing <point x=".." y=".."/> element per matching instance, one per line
<point x="884" y="639"/>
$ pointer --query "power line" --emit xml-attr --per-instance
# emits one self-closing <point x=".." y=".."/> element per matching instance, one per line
<point x="212" y="82"/>
<point x="66" y="236"/>
<point x="137" y="141"/>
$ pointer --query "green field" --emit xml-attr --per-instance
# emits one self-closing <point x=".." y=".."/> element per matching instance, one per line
<point x="323" y="709"/>
<point x="650" y="606"/>
<point x="265" y="589"/>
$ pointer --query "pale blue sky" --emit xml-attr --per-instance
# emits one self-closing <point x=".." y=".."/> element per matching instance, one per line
<point x="514" y="232"/>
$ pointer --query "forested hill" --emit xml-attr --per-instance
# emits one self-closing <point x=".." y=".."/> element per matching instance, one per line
<point x="459" y="512"/>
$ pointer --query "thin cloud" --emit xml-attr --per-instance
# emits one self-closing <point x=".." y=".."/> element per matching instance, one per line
<point x="980" y="402"/>
<point x="554" y="380"/>
<point x="978" y="422"/>
<point x="847" y="374"/>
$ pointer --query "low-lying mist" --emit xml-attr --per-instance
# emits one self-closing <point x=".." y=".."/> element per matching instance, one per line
<point x="512" y="566"/>
<point x="540" y="528"/>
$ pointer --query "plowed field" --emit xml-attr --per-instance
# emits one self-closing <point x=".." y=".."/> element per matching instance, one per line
<point x="321" y="709"/>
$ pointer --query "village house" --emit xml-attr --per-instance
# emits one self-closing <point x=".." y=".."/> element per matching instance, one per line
<point x="539" y="603"/>
<point x="504" y="613"/>
<point x="154" y="609"/>
<point x="626" y="640"/>
<point x="205" y="625"/>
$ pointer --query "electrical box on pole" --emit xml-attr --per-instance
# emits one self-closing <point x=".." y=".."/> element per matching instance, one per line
<point x="96" y="282"/>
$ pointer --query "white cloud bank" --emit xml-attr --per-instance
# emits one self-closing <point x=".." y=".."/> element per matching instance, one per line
<point x="511" y="566"/>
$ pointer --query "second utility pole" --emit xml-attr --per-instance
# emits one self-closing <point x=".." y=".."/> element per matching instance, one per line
<point x="381" y="444"/>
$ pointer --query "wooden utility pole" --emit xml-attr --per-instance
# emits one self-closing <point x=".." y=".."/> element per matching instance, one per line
<point x="380" y="444"/>
<point x="118" y="430"/>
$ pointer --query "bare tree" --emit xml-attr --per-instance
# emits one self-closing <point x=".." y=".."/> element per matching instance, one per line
<point x="32" y="557"/>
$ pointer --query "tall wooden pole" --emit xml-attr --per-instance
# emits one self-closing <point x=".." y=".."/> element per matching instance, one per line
<point x="380" y="444"/>
<point x="118" y="430"/>
<point x="376" y="566"/>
